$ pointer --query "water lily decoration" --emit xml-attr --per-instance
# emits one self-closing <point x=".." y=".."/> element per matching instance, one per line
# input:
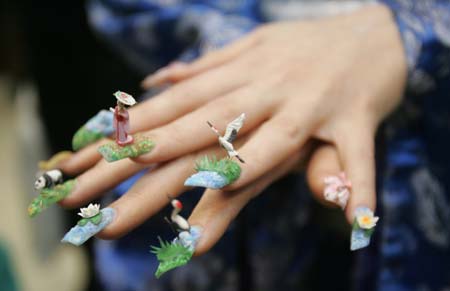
<point x="365" y="218"/>
<point x="90" y="211"/>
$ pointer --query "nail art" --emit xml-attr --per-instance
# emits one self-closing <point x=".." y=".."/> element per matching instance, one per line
<point x="126" y="145"/>
<point x="213" y="173"/>
<point x="337" y="189"/>
<point x="216" y="174"/>
<point x="112" y="152"/>
<point x="93" y="221"/>
<point x="99" y="126"/>
<point x="177" y="253"/>
<point x="363" y="228"/>
<point x="49" y="196"/>
<point x="55" y="160"/>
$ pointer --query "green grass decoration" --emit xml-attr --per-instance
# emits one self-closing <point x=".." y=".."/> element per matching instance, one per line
<point x="225" y="167"/>
<point x="170" y="256"/>
<point x="84" y="137"/>
<point x="94" y="220"/>
<point x="113" y="152"/>
<point x="49" y="196"/>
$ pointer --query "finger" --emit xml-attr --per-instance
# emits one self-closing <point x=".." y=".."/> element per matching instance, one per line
<point x="102" y="177"/>
<point x="356" y="149"/>
<point x="149" y="194"/>
<point x="185" y="97"/>
<point x="162" y="109"/>
<point x="275" y="141"/>
<point x="181" y="71"/>
<point x="324" y="163"/>
<point x="217" y="208"/>
<point x="191" y="133"/>
<point x="83" y="159"/>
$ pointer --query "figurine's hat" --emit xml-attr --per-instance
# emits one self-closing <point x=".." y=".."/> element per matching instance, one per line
<point x="125" y="98"/>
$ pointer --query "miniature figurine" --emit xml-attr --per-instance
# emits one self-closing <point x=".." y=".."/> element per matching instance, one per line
<point x="126" y="145"/>
<point x="93" y="221"/>
<point x="180" y="222"/>
<point x="216" y="174"/>
<point x="178" y="252"/>
<point x="363" y="228"/>
<point x="230" y="135"/>
<point x="52" y="190"/>
<point x="49" y="179"/>
<point x="337" y="189"/>
<point x="121" y="118"/>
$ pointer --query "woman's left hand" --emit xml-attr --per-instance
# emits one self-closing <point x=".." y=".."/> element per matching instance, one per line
<point x="332" y="79"/>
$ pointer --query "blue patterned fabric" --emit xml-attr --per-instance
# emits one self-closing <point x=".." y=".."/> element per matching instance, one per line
<point x="410" y="249"/>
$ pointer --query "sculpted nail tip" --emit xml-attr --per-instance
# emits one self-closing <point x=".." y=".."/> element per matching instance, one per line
<point x="78" y="235"/>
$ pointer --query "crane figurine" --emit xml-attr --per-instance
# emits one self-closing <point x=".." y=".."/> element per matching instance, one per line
<point x="230" y="135"/>
<point x="178" y="222"/>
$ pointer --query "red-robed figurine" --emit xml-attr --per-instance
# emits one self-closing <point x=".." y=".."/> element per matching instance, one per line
<point x="122" y="119"/>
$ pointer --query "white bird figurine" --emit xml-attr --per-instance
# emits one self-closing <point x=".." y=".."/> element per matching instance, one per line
<point x="230" y="135"/>
<point x="176" y="219"/>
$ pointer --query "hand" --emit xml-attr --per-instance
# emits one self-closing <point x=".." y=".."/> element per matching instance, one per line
<point x="333" y="79"/>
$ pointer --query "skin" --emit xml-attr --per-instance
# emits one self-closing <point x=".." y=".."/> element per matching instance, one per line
<point x="335" y="81"/>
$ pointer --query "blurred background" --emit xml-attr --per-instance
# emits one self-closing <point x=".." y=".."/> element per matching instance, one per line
<point x="54" y="75"/>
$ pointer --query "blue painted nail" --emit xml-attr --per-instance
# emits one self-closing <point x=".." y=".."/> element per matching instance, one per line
<point x="189" y="238"/>
<point x="206" y="179"/>
<point x="213" y="173"/>
<point x="91" y="224"/>
<point x="363" y="228"/>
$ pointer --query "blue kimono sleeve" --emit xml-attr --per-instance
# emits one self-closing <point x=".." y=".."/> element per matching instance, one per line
<point x="425" y="29"/>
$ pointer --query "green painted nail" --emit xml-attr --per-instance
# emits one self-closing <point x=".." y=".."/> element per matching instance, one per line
<point x="49" y="196"/>
<point x="113" y="152"/>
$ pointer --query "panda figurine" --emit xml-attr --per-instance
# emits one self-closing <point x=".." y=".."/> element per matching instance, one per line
<point x="49" y="179"/>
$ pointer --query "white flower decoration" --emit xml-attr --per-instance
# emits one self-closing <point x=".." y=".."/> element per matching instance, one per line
<point x="90" y="211"/>
<point x="365" y="218"/>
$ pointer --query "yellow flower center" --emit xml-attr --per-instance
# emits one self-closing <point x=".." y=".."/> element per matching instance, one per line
<point x="365" y="219"/>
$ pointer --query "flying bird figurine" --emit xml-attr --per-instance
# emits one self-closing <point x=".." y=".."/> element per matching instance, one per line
<point x="230" y="135"/>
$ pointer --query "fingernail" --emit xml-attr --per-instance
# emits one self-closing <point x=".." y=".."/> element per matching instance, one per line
<point x="363" y="227"/>
<point x="112" y="152"/>
<point x="99" y="126"/>
<point x="156" y="78"/>
<point x="49" y="196"/>
<point x="178" y="252"/>
<point x="161" y="75"/>
<point x="337" y="190"/>
<point x="190" y="239"/>
<point x="55" y="161"/>
<point x="93" y="222"/>
<point x="213" y="173"/>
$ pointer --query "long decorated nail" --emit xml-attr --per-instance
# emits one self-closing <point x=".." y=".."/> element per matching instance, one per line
<point x="126" y="145"/>
<point x="99" y="126"/>
<point x="213" y="173"/>
<point x="337" y="189"/>
<point x="363" y="228"/>
<point x="93" y="221"/>
<point x="55" y="160"/>
<point x="177" y="253"/>
<point x="216" y="174"/>
<point x="112" y="152"/>
<point x="50" y="192"/>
